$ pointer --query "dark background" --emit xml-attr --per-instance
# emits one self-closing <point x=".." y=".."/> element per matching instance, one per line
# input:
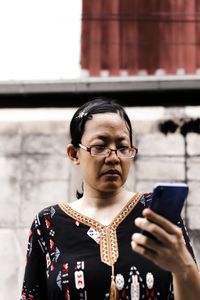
<point x="136" y="98"/>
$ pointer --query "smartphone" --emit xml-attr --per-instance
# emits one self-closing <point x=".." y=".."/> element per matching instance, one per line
<point x="168" y="200"/>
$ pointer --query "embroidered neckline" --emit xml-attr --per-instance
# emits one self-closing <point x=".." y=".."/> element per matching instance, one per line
<point x="108" y="236"/>
<point x="92" y="222"/>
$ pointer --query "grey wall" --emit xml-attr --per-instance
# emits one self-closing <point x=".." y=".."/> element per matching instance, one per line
<point x="34" y="173"/>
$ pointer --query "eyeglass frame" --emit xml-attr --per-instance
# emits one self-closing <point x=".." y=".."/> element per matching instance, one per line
<point x="88" y="149"/>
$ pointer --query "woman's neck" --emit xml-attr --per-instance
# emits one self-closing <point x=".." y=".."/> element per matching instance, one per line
<point x="105" y="199"/>
<point x="102" y="207"/>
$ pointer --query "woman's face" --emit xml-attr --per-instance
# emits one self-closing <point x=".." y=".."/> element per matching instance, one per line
<point x="104" y="174"/>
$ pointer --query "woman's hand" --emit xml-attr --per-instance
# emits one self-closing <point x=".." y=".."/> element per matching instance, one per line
<point x="168" y="251"/>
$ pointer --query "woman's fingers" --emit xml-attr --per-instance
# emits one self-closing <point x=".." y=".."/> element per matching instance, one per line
<point x="160" y="233"/>
<point x="159" y="220"/>
<point x="146" y="252"/>
<point x="145" y="241"/>
<point x="164" y="228"/>
<point x="172" y="256"/>
<point x="168" y="247"/>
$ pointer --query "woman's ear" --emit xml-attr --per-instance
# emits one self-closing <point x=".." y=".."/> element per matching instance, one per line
<point x="72" y="153"/>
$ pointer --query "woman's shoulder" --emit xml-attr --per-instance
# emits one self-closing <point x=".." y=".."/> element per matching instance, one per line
<point x="45" y="216"/>
<point x="48" y="211"/>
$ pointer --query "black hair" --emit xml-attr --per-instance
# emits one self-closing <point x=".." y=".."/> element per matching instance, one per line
<point x="85" y="112"/>
<point x="96" y="106"/>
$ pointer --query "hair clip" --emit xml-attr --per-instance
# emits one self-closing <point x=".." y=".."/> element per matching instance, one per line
<point x="81" y="115"/>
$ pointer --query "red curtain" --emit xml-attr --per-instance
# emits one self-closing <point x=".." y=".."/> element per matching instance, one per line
<point x="134" y="36"/>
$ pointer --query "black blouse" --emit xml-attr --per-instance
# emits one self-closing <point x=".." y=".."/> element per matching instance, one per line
<point x="70" y="255"/>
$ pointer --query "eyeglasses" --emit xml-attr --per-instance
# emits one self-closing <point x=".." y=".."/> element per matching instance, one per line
<point x="124" y="152"/>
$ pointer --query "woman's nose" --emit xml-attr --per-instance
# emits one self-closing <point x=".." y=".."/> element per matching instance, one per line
<point x="112" y="155"/>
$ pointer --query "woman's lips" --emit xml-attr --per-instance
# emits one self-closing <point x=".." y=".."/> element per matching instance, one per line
<point x="111" y="173"/>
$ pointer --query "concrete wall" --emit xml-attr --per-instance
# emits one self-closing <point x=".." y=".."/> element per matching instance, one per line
<point x="35" y="173"/>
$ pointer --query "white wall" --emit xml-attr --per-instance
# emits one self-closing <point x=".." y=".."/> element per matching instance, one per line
<point x="35" y="173"/>
<point x="40" y="39"/>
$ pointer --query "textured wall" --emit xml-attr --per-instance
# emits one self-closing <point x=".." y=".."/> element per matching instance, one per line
<point x="35" y="173"/>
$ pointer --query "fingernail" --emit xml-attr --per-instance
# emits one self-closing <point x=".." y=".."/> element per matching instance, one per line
<point x="135" y="235"/>
<point x="137" y="221"/>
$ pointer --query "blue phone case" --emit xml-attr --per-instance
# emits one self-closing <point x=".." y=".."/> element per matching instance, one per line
<point x="168" y="200"/>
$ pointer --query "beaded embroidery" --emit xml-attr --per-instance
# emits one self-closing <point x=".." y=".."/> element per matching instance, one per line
<point x="108" y="236"/>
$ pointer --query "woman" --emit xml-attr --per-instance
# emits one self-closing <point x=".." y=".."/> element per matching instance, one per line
<point x="83" y="250"/>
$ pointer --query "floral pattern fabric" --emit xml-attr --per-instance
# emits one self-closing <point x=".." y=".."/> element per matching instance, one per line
<point x="64" y="257"/>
